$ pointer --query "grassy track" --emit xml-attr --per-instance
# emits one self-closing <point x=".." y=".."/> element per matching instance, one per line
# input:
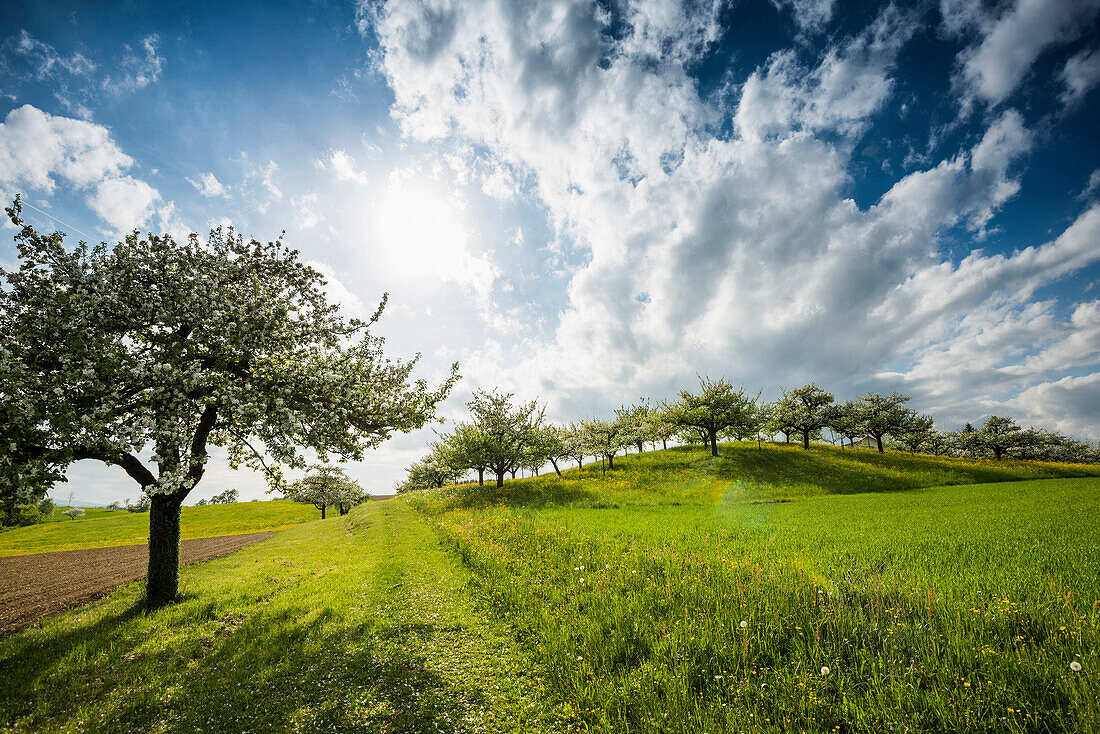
<point x="104" y="528"/>
<point x="939" y="609"/>
<point x="351" y="624"/>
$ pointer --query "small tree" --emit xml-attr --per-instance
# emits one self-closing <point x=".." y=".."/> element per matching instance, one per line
<point x="940" y="442"/>
<point x="605" y="438"/>
<point x="508" y="429"/>
<point x="884" y="415"/>
<point x="470" y="448"/>
<point x="714" y="408"/>
<point x="637" y="424"/>
<point x="999" y="435"/>
<point x="778" y="418"/>
<point x="551" y="444"/>
<point x="172" y="347"/>
<point x="848" y="421"/>
<point x="660" y="427"/>
<point x="575" y="443"/>
<point x="916" y="432"/>
<point x="324" y="487"/>
<point x="227" y="497"/>
<point x="809" y="409"/>
<point x="73" y="513"/>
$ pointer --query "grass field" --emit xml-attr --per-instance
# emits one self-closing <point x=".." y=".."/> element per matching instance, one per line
<point x="357" y="623"/>
<point x="678" y="593"/>
<point x="953" y="608"/>
<point x="102" y="528"/>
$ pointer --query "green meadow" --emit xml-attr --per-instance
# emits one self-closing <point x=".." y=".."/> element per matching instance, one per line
<point x="769" y="589"/>
<point x="102" y="528"/>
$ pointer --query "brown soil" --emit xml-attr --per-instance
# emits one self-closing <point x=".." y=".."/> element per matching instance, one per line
<point x="44" y="584"/>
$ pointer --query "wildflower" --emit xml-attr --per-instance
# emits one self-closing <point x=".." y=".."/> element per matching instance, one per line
<point x="824" y="670"/>
<point x="1075" y="666"/>
<point x="582" y="579"/>
<point x="744" y="624"/>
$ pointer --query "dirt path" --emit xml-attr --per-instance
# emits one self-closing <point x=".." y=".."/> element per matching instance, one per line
<point x="43" y="584"/>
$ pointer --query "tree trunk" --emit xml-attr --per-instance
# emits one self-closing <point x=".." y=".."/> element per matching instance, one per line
<point x="664" y="443"/>
<point x="162" y="584"/>
<point x="580" y="464"/>
<point x="500" y="479"/>
<point x="322" y="512"/>
<point x="513" y="474"/>
<point x="611" y="462"/>
<point x="639" y="447"/>
<point x="805" y="439"/>
<point x="714" y="443"/>
<point x="481" y="477"/>
<point x="555" y="465"/>
<point x="878" y="440"/>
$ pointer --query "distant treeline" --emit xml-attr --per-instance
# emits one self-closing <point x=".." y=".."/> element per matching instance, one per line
<point x="504" y="437"/>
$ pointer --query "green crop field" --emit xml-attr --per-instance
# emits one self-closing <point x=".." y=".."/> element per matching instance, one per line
<point x="769" y="589"/>
<point x="102" y="528"/>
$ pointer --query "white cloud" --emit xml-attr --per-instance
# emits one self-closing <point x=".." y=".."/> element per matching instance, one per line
<point x="138" y="68"/>
<point x="37" y="149"/>
<point x="849" y="84"/>
<point x="734" y="255"/>
<point x="810" y="15"/>
<point x="306" y="211"/>
<point x="124" y="203"/>
<point x="338" y="293"/>
<point x="342" y="166"/>
<point x="44" y="59"/>
<point x="1011" y="40"/>
<point x="1069" y="404"/>
<point x="209" y="186"/>
<point x="1080" y="74"/>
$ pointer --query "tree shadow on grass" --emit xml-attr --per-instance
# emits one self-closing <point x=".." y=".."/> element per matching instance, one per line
<point x="28" y="658"/>
<point x="294" y="670"/>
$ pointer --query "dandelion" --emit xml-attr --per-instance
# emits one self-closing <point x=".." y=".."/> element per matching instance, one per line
<point x="744" y="624"/>
<point x="582" y="579"/>
<point x="824" y="670"/>
<point x="1075" y="666"/>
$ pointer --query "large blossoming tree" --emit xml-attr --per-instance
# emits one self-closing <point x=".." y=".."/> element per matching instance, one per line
<point x="145" y="354"/>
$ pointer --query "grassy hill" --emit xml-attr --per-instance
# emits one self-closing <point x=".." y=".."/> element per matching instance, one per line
<point x="677" y="593"/>
<point x="102" y="528"/>
<point x="712" y="592"/>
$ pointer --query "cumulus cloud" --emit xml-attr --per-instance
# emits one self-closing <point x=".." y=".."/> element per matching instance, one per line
<point x="39" y="150"/>
<point x="124" y="203"/>
<point x="1012" y="36"/>
<point x="690" y="251"/>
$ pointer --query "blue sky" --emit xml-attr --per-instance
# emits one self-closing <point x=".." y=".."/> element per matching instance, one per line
<point x="587" y="203"/>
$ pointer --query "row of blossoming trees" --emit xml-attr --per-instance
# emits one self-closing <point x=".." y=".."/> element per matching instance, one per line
<point x="504" y="437"/>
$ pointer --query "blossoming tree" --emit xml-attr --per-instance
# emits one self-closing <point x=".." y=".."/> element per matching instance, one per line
<point x="146" y="354"/>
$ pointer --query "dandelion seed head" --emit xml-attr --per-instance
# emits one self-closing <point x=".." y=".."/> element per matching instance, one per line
<point x="824" y="670"/>
<point x="744" y="624"/>
<point x="1075" y="666"/>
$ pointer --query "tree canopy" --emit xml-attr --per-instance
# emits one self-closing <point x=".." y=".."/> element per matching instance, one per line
<point x="714" y="408"/>
<point x="174" y="347"/>
<point x="327" y="486"/>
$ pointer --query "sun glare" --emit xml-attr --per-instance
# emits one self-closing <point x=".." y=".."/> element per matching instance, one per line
<point x="417" y="232"/>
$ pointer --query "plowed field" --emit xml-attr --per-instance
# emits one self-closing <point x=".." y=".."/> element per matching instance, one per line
<point x="43" y="584"/>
